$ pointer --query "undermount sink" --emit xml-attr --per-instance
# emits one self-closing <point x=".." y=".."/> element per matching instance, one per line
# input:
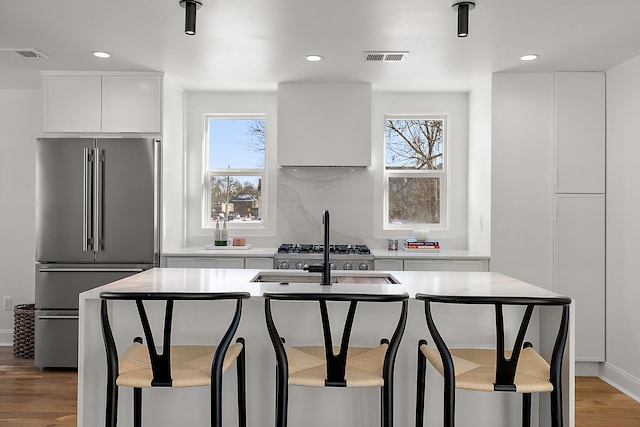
<point x="336" y="277"/>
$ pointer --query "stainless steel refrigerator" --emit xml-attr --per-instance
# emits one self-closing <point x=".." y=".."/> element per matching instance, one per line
<point x="97" y="221"/>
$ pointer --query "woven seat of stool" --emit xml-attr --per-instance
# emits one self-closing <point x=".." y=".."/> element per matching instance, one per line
<point x="190" y="365"/>
<point x="308" y="366"/>
<point x="475" y="369"/>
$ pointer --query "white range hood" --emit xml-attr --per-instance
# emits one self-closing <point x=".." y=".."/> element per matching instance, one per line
<point x="324" y="124"/>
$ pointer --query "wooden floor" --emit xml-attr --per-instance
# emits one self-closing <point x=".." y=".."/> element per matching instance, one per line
<point x="30" y="397"/>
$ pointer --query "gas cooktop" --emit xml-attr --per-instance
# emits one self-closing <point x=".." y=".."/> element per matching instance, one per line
<point x="302" y="248"/>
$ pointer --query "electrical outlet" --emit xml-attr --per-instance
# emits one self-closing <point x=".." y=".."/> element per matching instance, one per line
<point x="6" y="303"/>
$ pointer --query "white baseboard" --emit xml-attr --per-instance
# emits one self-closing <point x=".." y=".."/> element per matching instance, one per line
<point x="6" y="337"/>
<point x="621" y="380"/>
<point x="588" y="369"/>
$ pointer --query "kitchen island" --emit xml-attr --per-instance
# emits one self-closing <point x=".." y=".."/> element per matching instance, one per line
<point x="308" y="406"/>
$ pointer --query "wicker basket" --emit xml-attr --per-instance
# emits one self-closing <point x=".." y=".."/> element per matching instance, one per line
<point x="23" y="331"/>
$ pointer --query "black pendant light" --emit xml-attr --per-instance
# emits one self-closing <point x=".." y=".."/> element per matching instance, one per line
<point x="463" y="9"/>
<point x="190" y="6"/>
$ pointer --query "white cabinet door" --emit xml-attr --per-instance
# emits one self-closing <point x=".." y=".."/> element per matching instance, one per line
<point x="579" y="267"/>
<point x="389" y="264"/>
<point x="444" y="265"/>
<point x="72" y="103"/>
<point x="204" y="262"/>
<point x="580" y="133"/>
<point x="258" y="263"/>
<point x="131" y="104"/>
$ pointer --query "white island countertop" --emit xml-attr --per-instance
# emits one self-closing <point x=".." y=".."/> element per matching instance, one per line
<point x="352" y="408"/>
<point x="411" y="282"/>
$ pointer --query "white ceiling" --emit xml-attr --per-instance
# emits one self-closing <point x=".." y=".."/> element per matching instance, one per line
<point x="254" y="44"/>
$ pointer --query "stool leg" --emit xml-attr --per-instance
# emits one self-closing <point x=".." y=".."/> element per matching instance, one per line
<point x="242" y="389"/>
<point x="449" y="401"/>
<point x="422" y="367"/>
<point x="216" y="399"/>
<point x="282" y="393"/>
<point x="526" y="409"/>
<point x="556" y="406"/>
<point x="137" y="407"/>
<point x="112" y="403"/>
<point x="386" y="405"/>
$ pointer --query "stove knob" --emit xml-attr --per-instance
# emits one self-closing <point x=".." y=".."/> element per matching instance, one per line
<point x="299" y="265"/>
<point x="347" y="266"/>
<point x="284" y="265"/>
<point x="363" y="266"/>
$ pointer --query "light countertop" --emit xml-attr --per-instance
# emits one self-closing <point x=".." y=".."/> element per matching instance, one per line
<point x="230" y="251"/>
<point x="411" y="282"/>
<point x="225" y="251"/>
<point x="459" y="254"/>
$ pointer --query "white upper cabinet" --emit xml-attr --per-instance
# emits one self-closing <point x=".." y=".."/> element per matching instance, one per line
<point x="114" y="103"/>
<point x="324" y="124"/>
<point x="579" y="133"/>
<point x="72" y="103"/>
<point x="131" y="104"/>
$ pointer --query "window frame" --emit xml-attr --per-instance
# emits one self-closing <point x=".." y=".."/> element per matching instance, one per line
<point x="441" y="174"/>
<point x="207" y="222"/>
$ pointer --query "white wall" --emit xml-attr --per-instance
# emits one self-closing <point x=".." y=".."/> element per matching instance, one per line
<point x="21" y="124"/>
<point x="623" y="228"/>
<point x="479" y="219"/>
<point x="521" y="178"/>
<point x="456" y="107"/>
<point x="173" y="183"/>
<point x="197" y="104"/>
<point x="353" y="197"/>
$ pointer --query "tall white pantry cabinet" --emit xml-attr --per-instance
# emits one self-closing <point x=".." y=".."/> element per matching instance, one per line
<point x="579" y="205"/>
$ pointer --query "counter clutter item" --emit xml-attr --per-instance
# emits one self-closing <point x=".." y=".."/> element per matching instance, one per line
<point x="413" y="245"/>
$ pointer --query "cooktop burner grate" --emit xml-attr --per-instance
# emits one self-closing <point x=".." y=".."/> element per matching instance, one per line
<point x="303" y="248"/>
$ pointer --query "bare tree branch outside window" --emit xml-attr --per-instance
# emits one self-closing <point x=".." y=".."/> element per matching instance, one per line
<point x="415" y="146"/>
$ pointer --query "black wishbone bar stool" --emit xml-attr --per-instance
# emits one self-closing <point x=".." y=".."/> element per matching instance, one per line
<point x="521" y="369"/>
<point x="333" y="366"/>
<point x="142" y="366"/>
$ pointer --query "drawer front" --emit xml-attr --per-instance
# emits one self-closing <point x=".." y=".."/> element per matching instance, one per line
<point x="444" y="265"/>
<point x="56" y="338"/>
<point x="58" y="286"/>
<point x="259" y="263"/>
<point x="208" y="262"/>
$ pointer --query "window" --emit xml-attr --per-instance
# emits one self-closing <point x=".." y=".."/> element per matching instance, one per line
<point x="235" y="171"/>
<point x="415" y="171"/>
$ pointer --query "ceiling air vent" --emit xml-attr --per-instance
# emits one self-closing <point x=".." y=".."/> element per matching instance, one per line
<point x="26" y="53"/>
<point x="384" y="56"/>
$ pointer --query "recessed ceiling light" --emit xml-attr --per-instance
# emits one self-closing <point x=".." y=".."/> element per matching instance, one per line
<point x="529" y="57"/>
<point x="100" y="54"/>
<point x="313" y="58"/>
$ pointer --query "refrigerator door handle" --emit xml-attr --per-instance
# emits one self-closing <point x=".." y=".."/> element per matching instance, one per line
<point x="98" y="243"/>
<point x="86" y="200"/>
<point x="90" y="270"/>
